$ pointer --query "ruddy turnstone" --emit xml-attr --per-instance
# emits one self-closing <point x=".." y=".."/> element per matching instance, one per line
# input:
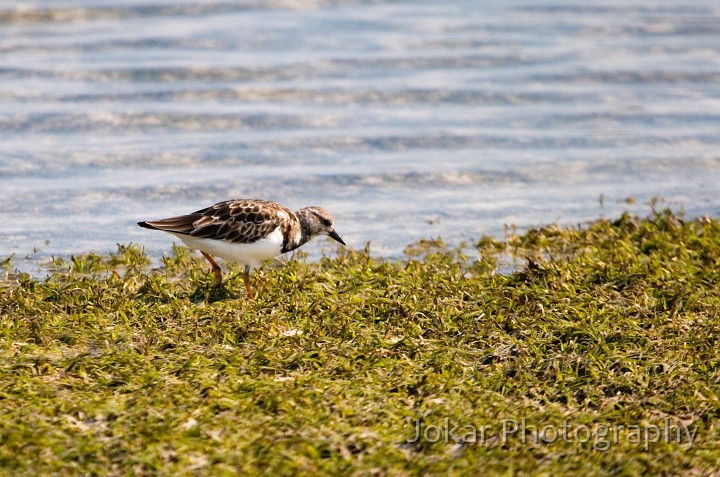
<point x="246" y="231"/>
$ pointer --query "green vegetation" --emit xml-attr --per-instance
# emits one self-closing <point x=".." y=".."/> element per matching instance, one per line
<point x="604" y="340"/>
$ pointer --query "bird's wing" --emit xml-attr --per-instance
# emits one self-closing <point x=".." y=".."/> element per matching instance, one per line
<point x="236" y="221"/>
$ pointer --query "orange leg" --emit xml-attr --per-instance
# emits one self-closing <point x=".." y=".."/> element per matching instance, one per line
<point x="217" y="272"/>
<point x="246" y="279"/>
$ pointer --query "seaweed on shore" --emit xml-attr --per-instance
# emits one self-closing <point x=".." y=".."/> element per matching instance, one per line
<point x="596" y="353"/>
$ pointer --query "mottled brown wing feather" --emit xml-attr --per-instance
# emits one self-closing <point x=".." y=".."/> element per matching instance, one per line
<point x="237" y="221"/>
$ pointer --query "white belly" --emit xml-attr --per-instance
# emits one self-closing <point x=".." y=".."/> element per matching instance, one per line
<point x="251" y="254"/>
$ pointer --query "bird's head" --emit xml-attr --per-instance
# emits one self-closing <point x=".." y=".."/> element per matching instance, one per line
<point x="317" y="221"/>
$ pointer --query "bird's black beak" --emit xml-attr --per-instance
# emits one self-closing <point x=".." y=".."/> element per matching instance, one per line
<point x="335" y="236"/>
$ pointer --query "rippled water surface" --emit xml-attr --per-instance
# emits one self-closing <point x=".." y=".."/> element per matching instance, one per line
<point x="405" y="119"/>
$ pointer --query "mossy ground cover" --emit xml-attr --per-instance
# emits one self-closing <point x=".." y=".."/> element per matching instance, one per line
<point x="597" y="355"/>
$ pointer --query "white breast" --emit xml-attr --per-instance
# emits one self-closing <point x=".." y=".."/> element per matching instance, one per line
<point x="243" y="253"/>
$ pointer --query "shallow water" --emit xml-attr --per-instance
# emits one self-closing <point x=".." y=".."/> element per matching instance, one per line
<point x="405" y="119"/>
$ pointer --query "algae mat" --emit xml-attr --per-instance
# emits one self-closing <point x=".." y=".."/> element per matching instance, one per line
<point x="595" y="352"/>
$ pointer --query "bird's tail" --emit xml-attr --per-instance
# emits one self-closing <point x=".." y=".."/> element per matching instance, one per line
<point x="182" y="224"/>
<point x="146" y="225"/>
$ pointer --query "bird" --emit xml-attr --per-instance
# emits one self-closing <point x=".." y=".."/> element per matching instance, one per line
<point x="246" y="231"/>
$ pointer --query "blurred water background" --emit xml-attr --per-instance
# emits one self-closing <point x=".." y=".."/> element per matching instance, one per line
<point x="406" y="119"/>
